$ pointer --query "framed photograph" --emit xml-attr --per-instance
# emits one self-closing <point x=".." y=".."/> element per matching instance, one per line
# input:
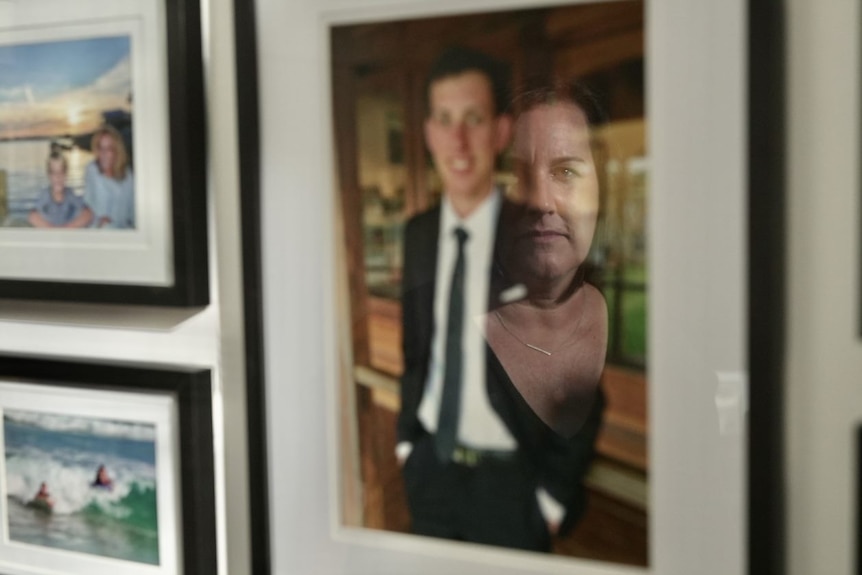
<point x="671" y="475"/>
<point x="103" y="152"/>
<point x="105" y="469"/>
<point x="385" y="120"/>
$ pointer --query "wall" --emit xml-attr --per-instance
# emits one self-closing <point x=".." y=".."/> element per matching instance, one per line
<point x="824" y="394"/>
<point x="824" y="399"/>
<point x="210" y="337"/>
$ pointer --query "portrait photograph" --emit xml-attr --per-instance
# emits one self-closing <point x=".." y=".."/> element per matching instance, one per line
<point x="492" y="189"/>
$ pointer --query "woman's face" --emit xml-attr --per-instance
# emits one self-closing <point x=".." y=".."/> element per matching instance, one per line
<point x="558" y="191"/>
<point x="106" y="154"/>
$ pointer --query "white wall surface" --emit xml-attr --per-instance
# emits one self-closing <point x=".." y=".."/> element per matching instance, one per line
<point x="824" y="398"/>
<point x="210" y="337"/>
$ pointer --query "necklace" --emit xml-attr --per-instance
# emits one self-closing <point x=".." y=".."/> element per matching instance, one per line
<point x="521" y="341"/>
<point x="549" y="353"/>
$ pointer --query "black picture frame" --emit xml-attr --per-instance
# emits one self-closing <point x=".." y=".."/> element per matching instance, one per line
<point x="766" y="309"/>
<point x="248" y="129"/>
<point x="188" y="186"/>
<point x="857" y="454"/>
<point x="192" y="390"/>
<point x="766" y="228"/>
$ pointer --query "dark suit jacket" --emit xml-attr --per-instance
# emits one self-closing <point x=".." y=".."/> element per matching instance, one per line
<point x="417" y="307"/>
<point x="557" y="463"/>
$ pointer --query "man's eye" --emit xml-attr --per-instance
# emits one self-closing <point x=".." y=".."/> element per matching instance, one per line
<point x="443" y="119"/>
<point x="473" y="119"/>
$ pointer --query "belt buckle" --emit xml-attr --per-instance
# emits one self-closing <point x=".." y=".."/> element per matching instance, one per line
<point x="466" y="456"/>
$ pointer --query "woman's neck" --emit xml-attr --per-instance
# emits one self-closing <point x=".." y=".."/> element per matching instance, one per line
<point x="551" y="294"/>
<point x="546" y="311"/>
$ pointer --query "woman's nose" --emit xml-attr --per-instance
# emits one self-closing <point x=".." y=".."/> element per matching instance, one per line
<point x="537" y="195"/>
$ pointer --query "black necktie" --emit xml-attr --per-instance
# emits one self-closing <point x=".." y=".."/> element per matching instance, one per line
<point x="447" y="422"/>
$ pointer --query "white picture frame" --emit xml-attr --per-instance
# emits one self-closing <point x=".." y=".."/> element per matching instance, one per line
<point x="698" y="363"/>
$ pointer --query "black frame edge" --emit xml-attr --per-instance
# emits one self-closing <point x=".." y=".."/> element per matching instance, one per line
<point x="856" y="463"/>
<point x="248" y="126"/>
<point x="188" y="136"/>
<point x="766" y="287"/>
<point x="199" y="499"/>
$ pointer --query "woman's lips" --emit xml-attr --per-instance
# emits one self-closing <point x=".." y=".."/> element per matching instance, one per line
<point x="544" y="235"/>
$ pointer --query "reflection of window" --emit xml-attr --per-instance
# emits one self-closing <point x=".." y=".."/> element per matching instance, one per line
<point x="619" y="248"/>
<point x="382" y="177"/>
<point x="382" y="229"/>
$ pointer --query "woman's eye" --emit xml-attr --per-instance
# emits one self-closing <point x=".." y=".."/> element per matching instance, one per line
<point x="564" y="173"/>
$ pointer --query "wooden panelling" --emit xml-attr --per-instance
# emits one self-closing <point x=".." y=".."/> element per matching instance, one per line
<point x="625" y="426"/>
<point x="609" y="531"/>
<point x="384" y="335"/>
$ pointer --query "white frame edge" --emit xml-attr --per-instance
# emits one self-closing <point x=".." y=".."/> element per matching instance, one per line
<point x="696" y="80"/>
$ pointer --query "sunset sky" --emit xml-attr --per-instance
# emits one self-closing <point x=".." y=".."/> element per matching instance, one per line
<point x="56" y="88"/>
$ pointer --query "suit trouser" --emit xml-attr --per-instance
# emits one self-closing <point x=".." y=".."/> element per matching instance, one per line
<point x="493" y="502"/>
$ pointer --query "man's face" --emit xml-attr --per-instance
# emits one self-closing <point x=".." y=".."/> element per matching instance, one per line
<point x="558" y="189"/>
<point x="56" y="174"/>
<point x="465" y="136"/>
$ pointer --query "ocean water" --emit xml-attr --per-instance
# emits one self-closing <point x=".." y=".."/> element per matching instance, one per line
<point x="65" y="453"/>
<point x="24" y="164"/>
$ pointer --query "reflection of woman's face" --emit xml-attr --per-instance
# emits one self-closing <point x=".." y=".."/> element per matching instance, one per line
<point x="558" y="189"/>
<point x="106" y="154"/>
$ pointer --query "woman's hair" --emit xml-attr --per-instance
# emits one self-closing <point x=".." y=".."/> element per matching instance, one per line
<point x="562" y="91"/>
<point x="121" y="161"/>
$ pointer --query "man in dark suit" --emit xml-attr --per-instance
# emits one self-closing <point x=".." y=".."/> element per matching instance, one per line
<point x="476" y="460"/>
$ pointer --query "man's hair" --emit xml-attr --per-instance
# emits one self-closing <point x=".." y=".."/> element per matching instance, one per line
<point x="57" y="157"/>
<point x="569" y="91"/>
<point x="458" y="60"/>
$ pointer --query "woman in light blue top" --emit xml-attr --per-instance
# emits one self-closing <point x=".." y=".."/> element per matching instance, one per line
<point x="109" y="186"/>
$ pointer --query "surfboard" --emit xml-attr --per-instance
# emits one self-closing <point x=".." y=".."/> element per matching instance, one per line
<point x="41" y="505"/>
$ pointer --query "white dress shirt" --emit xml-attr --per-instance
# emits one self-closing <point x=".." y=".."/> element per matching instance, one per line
<point x="479" y="426"/>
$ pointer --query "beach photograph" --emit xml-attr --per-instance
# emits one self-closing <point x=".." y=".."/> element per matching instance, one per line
<point x="81" y="484"/>
<point x="66" y="145"/>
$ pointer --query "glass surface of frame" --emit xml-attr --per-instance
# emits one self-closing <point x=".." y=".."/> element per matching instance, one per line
<point x="697" y="329"/>
<point x="588" y="445"/>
